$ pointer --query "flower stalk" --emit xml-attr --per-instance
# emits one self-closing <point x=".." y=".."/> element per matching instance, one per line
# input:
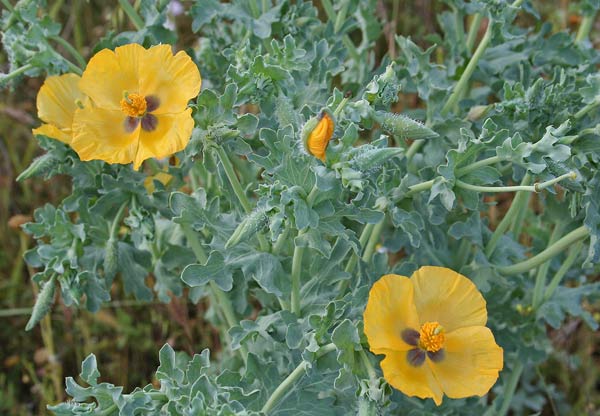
<point x="220" y="296"/>
<point x="564" y="268"/>
<point x="511" y="386"/>
<point x="72" y="51"/>
<point x="132" y="14"/>
<point x="555" y="249"/>
<point x="585" y="28"/>
<point x="296" y="275"/>
<point x="294" y="376"/>
<point x="518" y="204"/>
<point x="542" y="273"/>
<point x="239" y="191"/>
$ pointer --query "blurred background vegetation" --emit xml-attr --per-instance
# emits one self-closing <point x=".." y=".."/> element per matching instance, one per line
<point x="33" y="364"/>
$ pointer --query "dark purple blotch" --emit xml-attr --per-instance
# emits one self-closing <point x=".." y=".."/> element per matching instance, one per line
<point x="415" y="357"/>
<point x="410" y="336"/>
<point x="131" y="124"/>
<point x="152" y="103"/>
<point x="149" y="122"/>
<point x="437" y="356"/>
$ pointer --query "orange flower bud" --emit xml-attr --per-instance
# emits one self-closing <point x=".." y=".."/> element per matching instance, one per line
<point x="318" y="139"/>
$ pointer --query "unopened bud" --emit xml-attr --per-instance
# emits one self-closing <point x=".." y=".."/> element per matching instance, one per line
<point x="317" y="133"/>
<point x="403" y="127"/>
<point x="111" y="258"/>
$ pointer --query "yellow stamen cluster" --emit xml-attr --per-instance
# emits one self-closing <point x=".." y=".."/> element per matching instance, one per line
<point x="432" y="337"/>
<point x="134" y="105"/>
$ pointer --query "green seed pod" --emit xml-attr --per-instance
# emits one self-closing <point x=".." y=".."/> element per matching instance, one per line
<point x="42" y="304"/>
<point x="111" y="259"/>
<point x="38" y="167"/>
<point x="252" y="224"/>
<point x="404" y="127"/>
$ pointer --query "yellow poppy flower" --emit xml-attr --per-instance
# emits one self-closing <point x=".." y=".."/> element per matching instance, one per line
<point x="139" y="98"/>
<point x="57" y="101"/>
<point x="432" y="331"/>
<point x="318" y="139"/>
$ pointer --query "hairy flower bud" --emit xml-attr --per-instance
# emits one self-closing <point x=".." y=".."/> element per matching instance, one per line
<point x="403" y="127"/>
<point x="316" y="134"/>
<point x="111" y="258"/>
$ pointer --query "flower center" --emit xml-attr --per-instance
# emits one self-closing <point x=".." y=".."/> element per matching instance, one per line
<point x="431" y="337"/>
<point x="134" y="105"/>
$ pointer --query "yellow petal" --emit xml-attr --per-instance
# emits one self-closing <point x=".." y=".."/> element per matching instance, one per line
<point x="56" y="100"/>
<point x="109" y="74"/>
<point x="174" y="80"/>
<point x="171" y="135"/>
<point x="471" y="362"/>
<point x="410" y="380"/>
<point x="390" y="310"/>
<point x="444" y="296"/>
<point x="162" y="177"/>
<point x="54" y="133"/>
<point x="319" y="138"/>
<point x="100" y="134"/>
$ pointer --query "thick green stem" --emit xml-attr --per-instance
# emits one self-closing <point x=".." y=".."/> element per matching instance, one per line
<point x="589" y="107"/>
<point x="350" y="47"/>
<point x="221" y="297"/>
<point x="132" y="14"/>
<point x="414" y="148"/>
<point x="574" y="252"/>
<point x="114" y="228"/>
<point x="511" y="386"/>
<point x="294" y="376"/>
<point x="72" y="51"/>
<point x="537" y="187"/>
<point x="296" y="274"/>
<point x="518" y="203"/>
<point x="368" y="366"/>
<point x="239" y="191"/>
<point x="15" y="73"/>
<point x="341" y="105"/>
<point x="373" y="240"/>
<point x="476" y="165"/>
<point x="540" y="279"/>
<point x="466" y="75"/>
<point x="585" y="27"/>
<point x="553" y="250"/>
<point x="472" y="36"/>
<point x="340" y="19"/>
